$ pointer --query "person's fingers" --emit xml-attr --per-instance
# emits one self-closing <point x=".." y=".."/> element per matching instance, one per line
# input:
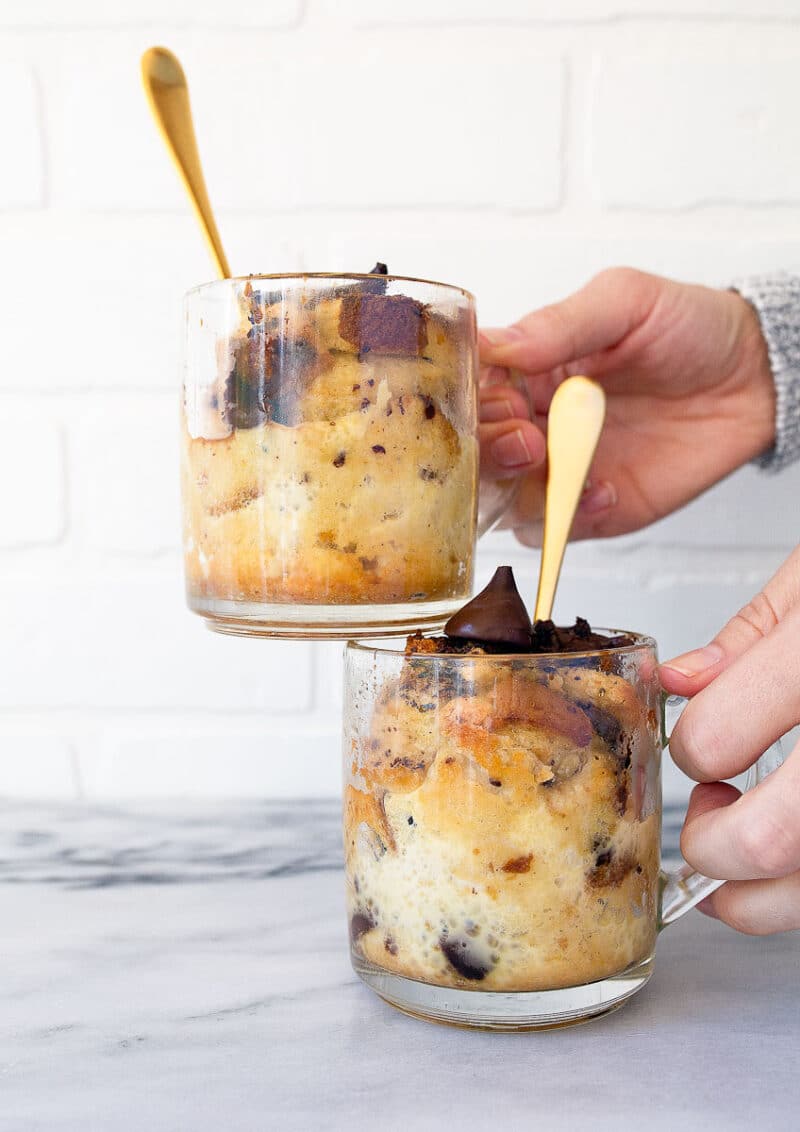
<point x="752" y="837"/>
<point x="490" y="376"/>
<point x="757" y="907"/>
<point x="598" y="498"/>
<point x="593" y="319"/>
<point x="512" y="445"/>
<point x="496" y="409"/>
<point x="710" y="796"/>
<point x="750" y="704"/>
<point x="530" y="533"/>
<point x="502" y="402"/>
<point x="687" y="674"/>
<point x="525" y="517"/>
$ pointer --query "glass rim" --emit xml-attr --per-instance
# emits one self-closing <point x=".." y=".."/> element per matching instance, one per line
<point x="346" y="275"/>
<point x="640" y="643"/>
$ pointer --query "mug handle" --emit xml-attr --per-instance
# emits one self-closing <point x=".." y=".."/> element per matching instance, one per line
<point x="495" y="498"/>
<point x="494" y="501"/>
<point x="681" y="890"/>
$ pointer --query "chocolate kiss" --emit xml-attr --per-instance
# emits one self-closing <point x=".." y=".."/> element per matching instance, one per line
<point x="497" y="615"/>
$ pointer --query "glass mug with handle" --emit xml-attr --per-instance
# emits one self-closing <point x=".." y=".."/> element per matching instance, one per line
<point x="329" y="456"/>
<point x="502" y="826"/>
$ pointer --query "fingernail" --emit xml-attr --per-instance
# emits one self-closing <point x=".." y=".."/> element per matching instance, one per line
<point x="501" y="336"/>
<point x="598" y="497"/>
<point x="497" y="409"/>
<point x="511" y="450"/>
<point x="693" y="663"/>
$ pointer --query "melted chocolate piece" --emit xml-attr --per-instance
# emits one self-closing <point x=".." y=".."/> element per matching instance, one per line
<point x="460" y="956"/>
<point x="360" y="924"/>
<point x="497" y="615"/>
<point x="375" y="286"/>
<point x="607" y="726"/>
<point x="550" y="638"/>
<point x="267" y="373"/>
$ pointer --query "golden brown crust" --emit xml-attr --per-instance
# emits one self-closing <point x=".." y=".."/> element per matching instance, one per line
<point x="362" y="808"/>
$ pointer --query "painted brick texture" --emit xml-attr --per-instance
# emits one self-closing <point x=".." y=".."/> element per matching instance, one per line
<point x="514" y="147"/>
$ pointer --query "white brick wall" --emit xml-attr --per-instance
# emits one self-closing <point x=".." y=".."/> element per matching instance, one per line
<point x="35" y="505"/>
<point x="531" y="143"/>
<point x="22" y="184"/>
<point x="700" y="130"/>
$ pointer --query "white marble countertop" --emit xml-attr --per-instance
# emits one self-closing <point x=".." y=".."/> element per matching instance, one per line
<point x="185" y="968"/>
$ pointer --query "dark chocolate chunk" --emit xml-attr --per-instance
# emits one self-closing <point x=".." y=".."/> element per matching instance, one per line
<point x="460" y="955"/>
<point x="550" y="638"/>
<point x="607" y="726"/>
<point x="497" y="615"/>
<point x="360" y="924"/>
<point x="268" y="372"/>
<point x="544" y="637"/>
<point x="378" y="449"/>
<point x="376" y="286"/>
<point x="387" y="324"/>
<point x="339" y="459"/>
<point x="245" y="401"/>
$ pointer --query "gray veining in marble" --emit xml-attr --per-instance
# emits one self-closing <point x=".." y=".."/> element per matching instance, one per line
<point x="185" y="968"/>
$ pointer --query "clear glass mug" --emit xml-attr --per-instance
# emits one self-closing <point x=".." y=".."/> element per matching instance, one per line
<point x="329" y="456"/>
<point x="502" y="828"/>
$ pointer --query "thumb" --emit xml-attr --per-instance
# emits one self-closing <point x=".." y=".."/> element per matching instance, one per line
<point x="597" y="317"/>
<point x="690" y="673"/>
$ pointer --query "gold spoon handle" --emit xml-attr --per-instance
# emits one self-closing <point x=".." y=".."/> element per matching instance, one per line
<point x="168" y="94"/>
<point x="574" y="423"/>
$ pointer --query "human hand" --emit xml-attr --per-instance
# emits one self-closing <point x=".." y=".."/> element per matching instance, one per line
<point x="690" y="397"/>
<point x="745" y="689"/>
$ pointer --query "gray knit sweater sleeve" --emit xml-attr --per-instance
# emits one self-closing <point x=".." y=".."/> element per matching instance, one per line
<point x="776" y="299"/>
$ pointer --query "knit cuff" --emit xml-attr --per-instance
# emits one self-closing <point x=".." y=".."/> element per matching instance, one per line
<point x="776" y="299"/>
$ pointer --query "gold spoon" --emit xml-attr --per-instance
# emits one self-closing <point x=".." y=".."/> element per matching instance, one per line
<point x="574" y="424"/>
<point x="168" y="95"/>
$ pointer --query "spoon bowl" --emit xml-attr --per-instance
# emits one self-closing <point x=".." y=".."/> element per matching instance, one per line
<point x="574" y="424"/>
